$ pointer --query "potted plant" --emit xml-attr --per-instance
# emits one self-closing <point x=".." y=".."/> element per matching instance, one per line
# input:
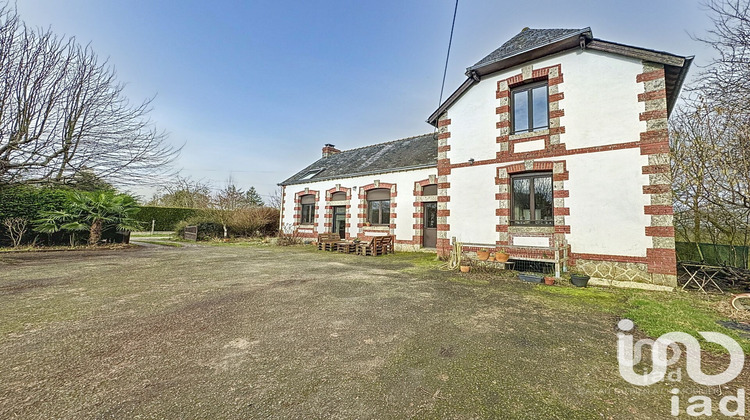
<point x="491" y="258"/>
<point x="465" y="264"/>
<point x="531" y="277"/>
<point x="549" y="280"/>
<point x="501" y="256"/>
<point x="579" y="279"/>
<point x="483" y="254"/>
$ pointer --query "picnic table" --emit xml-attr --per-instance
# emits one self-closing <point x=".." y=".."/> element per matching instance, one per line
<point x="702" y="275"/>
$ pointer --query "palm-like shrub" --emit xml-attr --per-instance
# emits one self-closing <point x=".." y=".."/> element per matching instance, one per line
<point x="93" y="212"/>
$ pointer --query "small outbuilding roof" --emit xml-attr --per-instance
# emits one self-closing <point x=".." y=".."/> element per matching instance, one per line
<point x="410" y="153"/>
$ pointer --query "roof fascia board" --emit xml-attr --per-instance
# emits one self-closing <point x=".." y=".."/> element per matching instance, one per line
<point x="636" y="52"/>
<point x="448" y="102"/>
<point x="680" y="81"/>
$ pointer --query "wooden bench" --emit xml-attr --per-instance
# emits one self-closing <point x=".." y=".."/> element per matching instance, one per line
<point x="326" y="241"/>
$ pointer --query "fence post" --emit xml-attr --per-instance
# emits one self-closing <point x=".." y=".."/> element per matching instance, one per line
<point x="153" y="224"/>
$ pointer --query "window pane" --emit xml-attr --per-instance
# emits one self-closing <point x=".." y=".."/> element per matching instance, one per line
<point x="521" y="202"/>
<point x="430" y="215"/>
<point x="307" y="213"/>
<point x="373" y="214"/>
<point x="540" y="107"/>
<point x="521" y="111"/>
<point x="385" y="207"/>
<point x="543" y="201"/>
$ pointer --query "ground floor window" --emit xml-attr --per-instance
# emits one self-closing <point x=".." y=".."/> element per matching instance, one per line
<point x="379" y="206"/>
<point x="308" y="208"/>
<point x="531" y="199"/>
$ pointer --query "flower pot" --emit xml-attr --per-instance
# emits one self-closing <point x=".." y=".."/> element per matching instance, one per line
<point x="501" y="257"/>
<point x="483" y="255"/>
<point x="531" y="278"/>
<point x="491" y="259"/>
<point x="465" y="268"/>
<point x="579" y="280"/>
<point x="549" y="280"/>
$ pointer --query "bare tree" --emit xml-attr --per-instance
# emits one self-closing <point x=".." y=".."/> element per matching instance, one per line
<point x="16" y="227"/>
<point x="184" y="192"/>
<point x="62" y="110"/>
<point x="710" y="140"/>
<point x="274" y="200"/>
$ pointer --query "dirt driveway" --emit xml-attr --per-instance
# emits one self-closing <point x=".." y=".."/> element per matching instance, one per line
<point x="249" y="332"/>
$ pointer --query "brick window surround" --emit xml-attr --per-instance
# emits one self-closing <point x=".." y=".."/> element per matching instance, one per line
<point x="328" y="215"/>
<point x="556" y="233"/>
<point x="365" y="231"/>
<point x="418" y="214"/>
<point x="303" y="229"/>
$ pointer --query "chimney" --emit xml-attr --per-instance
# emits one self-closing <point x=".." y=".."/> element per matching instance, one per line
<point x="330" y="150"/>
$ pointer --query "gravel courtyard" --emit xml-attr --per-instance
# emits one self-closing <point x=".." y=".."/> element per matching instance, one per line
<point x="266" y="332"/>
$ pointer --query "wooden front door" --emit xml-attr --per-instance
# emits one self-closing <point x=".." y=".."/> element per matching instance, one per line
<point x="429" y="224"/>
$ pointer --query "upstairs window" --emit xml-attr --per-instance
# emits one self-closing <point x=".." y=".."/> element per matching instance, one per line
<point x="308" y="208"/>
<point x="379" y="206"/>
<point x="529" y="108"/>
<point x="531" y="199"/>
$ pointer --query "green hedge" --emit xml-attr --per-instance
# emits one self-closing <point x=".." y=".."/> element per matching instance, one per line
<point x="27" y="201"/>
<point x="166" y="217"/>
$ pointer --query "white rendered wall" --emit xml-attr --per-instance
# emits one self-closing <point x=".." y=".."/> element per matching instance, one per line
<point x="404" y="199"/>
<point x="606" y="203"/>
<point x="600" y="102"/>
<point x="601" y="108"/>
<point x="473" y="131"/>
<point x="472" y="206"/>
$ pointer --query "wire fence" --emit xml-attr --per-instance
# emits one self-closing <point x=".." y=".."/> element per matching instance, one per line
<point x="713" y="254"/>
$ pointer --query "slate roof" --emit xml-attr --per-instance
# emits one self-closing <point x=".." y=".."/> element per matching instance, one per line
<point x="409" y="153"/>
<point x="526" y="40"/>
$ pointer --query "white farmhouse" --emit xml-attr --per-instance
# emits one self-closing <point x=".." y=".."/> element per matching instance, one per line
<point x="554" y="149"/>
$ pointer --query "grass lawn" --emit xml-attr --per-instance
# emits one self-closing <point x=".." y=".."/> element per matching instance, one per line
<point x="252" y="331"/>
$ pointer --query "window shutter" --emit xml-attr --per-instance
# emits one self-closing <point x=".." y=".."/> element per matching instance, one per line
<point x="307" y="199"/>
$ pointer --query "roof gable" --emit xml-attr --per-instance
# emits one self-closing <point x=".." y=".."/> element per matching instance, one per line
<point x="526" y="40"/>
<point x="409" y="153"/>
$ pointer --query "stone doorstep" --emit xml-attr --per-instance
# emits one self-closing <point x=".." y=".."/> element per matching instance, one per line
<point x="597" y="281"/>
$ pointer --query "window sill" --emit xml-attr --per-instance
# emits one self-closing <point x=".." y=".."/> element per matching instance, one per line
<point x="521" y="136"/>
<point x="524" y="229"/>
<point x="377" y="227"/>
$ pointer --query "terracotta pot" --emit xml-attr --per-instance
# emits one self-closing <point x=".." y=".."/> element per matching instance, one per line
<point x="491" y="259"/>
<point x="501" y="257"/>
<point x="549" y="280"/>
<point x="483" y="255"/>
<point x="465" y="268"/>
